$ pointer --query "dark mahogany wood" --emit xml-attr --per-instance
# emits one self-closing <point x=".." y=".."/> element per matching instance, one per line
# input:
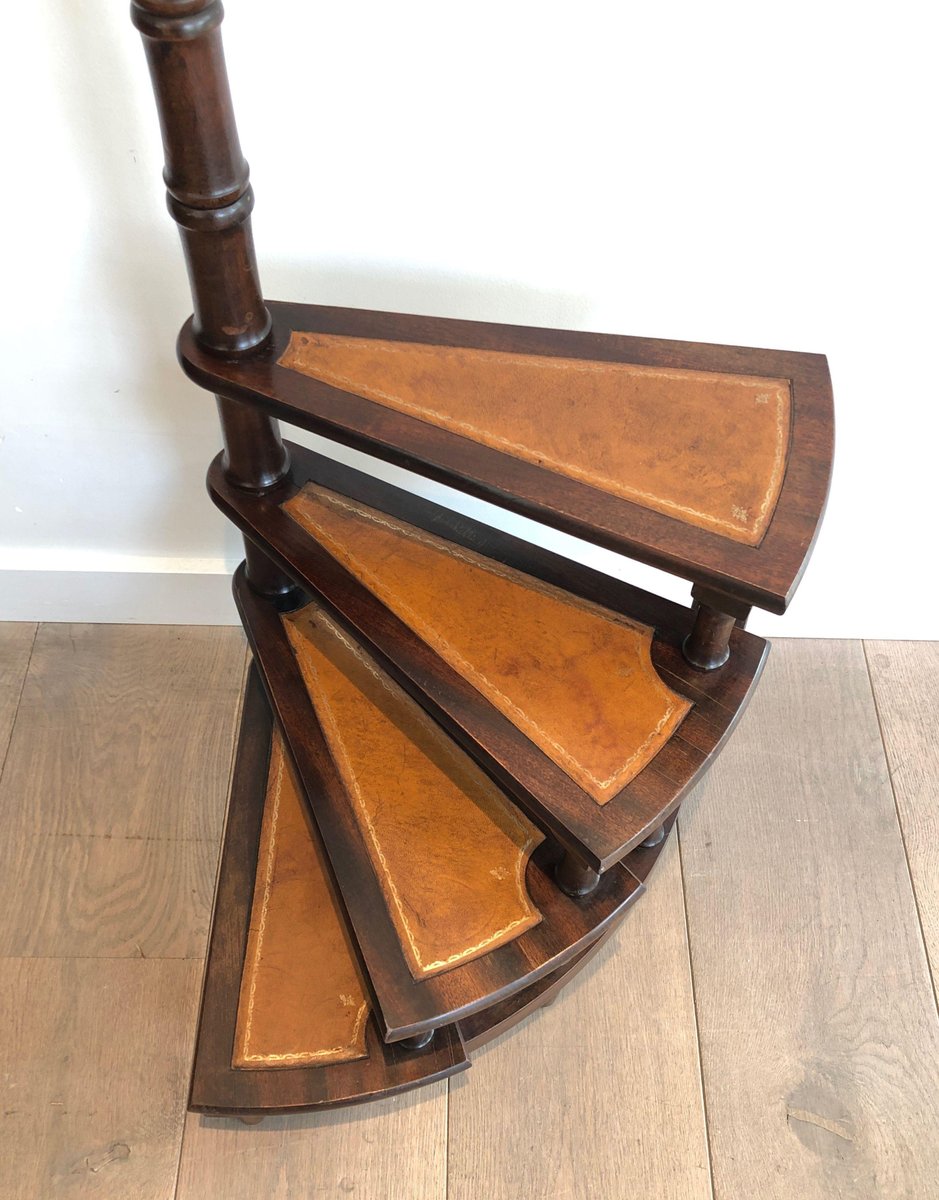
<point x="206" y="174"/>
<point x="598" y="835"/>
<point x="219" y="1088"/>
<point x="268" y="579"/>
<point x="210" y="199"/>
<point x="407" y="1006"/>
<point x="480" y="1028"/>
<point x="655" y="839"/>
<point x="254" y="455"/>
<point x="707" y="647"/>
<point x="584" y="878"/>
<point x="765" y="575"/>
<point x="574" y="876"/>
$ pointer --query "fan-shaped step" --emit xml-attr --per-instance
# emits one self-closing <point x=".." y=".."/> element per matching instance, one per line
<point x="568" y="687"/>
<point x="709" y="461"/>
<point x="449" y="894"/>
<point x="286" y="1020"/>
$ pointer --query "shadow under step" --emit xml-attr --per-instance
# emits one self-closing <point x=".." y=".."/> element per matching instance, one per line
<point x="286" y="1022"/>
<point x="569" y="688"/>
<point x="711" y="462"/>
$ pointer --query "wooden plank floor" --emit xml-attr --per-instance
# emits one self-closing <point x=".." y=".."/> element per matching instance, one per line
<point x="763" y="1025"/>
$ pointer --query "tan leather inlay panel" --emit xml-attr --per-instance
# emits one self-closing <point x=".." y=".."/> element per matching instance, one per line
<point x="450" y="851"/>
<point x="708" y="449"/>
<point x="577" y="679"/>
<point x="302" y="1001"/>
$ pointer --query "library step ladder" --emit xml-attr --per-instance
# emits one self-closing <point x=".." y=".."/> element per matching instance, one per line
<point x="460" y="754"/>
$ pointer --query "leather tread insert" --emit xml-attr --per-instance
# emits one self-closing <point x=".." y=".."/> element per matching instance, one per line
<point x="302" y="1000"/>
<point x="706" y="448"/>
<point x="449" y="849"/>
<point x="577" y="679"/>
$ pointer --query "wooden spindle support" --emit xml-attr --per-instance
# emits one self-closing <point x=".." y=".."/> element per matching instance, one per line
<point x="707" y="646"/>
<point x="574" y="876"/>
<point x="656" y="838"/>
<point x="210" y="199"/>
<point x="418" y="1041"/>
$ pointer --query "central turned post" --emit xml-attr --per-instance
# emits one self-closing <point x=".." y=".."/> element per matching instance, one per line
<point x="210" y="198"/>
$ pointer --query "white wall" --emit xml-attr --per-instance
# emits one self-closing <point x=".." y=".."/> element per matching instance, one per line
<point x="734" y="172"/>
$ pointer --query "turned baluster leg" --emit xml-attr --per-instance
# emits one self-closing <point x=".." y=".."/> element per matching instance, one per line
<point x="707" y="646"/>
<point x="655" y="838"/>
<point x="574" y="876"/>
<point x="418" y="1041"/>
<point x="210" y="199"/>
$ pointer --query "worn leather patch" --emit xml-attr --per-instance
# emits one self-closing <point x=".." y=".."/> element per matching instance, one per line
<point x="302" y="1001"/>
<point x="448" y="848"/>
<point x="576" y="678"/>
<point x="706" y="448"/>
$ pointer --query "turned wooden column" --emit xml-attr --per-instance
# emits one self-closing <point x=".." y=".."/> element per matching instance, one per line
<point x="210" y="198"/>
<point x="707" y="646"/>
<point x="574" y="876"/>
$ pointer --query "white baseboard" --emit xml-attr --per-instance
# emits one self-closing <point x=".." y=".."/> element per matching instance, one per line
<point x="124" y="589"/>
<point x="118" y="597"/>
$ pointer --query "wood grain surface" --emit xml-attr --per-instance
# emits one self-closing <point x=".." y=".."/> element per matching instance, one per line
<point x="16" y="644"/>
<point x="819" y="1032"/>
<point x="600" y="1094"/>
<point x="600" y="834"/>
<point x="538" y="654"/>
<point x="621" y="428"/>
<point x="818" y="1023"/>
<point x="406" y="1006"/>
<point x="94" y="1077"/>
<point x="392" y="1149"/>
<point x="219" y="1088"/>
<point x="765" y="574"/>
<point x="302" y="998"/>
<point x="111" y="808"/>
<point x="905" y="677"/>
<point x="67" y="771"/>
<point x="418" y="799"/>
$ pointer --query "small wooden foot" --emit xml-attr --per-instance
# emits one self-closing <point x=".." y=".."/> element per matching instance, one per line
<point x="575" y="877"/>
<point x="655" y="838"/>
<point x="251" y="1120"/>
<point x="419" y="1041"/>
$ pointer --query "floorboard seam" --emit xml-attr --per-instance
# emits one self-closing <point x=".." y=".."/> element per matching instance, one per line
<point x="19" y="697"/>
<point x="896" y="806"/>
<point x="124" y="837"/>
<point x="446" y="1149"/>
<point x="239" y="705"/>
<point x="188" y="958"/>
<point x="694" y="1007"/>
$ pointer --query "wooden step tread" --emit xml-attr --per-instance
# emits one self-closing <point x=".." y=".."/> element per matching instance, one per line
<point x="709" y="461"/>
<point x="286" y="1021"/>
<point x="299" y="961"/>
<point x="281" y="949"/>
<point x="542" y="657"/>
<point x="417" y="798"/>
<point x="569" y="688"/>
<point x="430" y="859"/>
